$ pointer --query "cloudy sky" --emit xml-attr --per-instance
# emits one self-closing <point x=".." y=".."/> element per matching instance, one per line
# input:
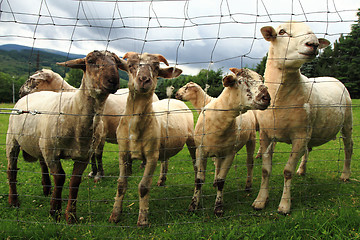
<point x="192" y="34"/>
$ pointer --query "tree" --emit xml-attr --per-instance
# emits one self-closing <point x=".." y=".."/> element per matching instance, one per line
<point x="74" y="77"/>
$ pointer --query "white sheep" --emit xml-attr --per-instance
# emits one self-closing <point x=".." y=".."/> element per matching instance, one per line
<point x="304" y="112"/>
<point x="150" y="131"/>
<point x="195" y="94"/>
<point x="47" y="80"/>
<point x="246" y="122"/>
<point x="220" y="131"/>
<point x="63" y="128"/>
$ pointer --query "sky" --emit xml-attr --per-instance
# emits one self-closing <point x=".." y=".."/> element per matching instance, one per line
<point x="191" y="34"/>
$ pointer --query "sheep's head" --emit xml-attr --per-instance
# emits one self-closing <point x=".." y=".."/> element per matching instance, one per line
<point x="100" y="68"/>
<point x="249" y="89"/>
<point x="144" y="69"/>
<point x="187" y="92"/>
<point x="39" y="81"/>
<point x="293" y="43"/>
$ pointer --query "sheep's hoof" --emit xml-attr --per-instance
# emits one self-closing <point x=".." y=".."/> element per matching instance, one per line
<point x="71" y="218"/>
<point x="193" y="206"/>
<point x="143" y="221"/>
<point x="114" y="218"/>
<point x="218" y="210"/>
<point x="259" y="205"/>
<point x="91" y="174"/>
<point x="14" y="201"/>
<point x="98" y="177"/>
<point x="248" y="188"/>
<point x="56" y="214"/>
<point x="345" y="177"/>
<point x="161" y="182"/>
<point x="285" y="213"/>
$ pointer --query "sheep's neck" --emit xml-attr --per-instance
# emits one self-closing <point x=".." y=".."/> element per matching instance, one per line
<point x="139" y="109"/>
<point x="281" y="82"/>
<point x="224" y="120"/>
<point x="201" y="99"/>
<point x="60" y="84"/>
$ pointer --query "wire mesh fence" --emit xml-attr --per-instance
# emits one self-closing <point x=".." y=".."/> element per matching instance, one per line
<point x="192" y="35"/>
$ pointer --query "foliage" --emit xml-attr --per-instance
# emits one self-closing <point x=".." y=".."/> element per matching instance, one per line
<point x="204" y="77"/>
<point x="7" y="82"/>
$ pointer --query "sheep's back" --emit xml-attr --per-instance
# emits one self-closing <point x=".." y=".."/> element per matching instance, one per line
<point x="176" y="121"/>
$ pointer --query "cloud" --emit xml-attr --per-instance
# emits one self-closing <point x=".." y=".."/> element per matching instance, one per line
<point x="192" y="34"/>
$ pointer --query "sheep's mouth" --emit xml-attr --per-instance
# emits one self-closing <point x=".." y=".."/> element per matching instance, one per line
<point x="309" y="55"/>
<point x="112" y="88"/>
<point x="177" y="96"/>
<point x="261" y="105"/>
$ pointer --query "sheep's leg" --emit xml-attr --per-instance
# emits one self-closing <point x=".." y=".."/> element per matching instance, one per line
<point x="302" y="167"/>
<point x="121" y="188"/>
<point x="263" y="194"/>
<point x="12" y="152"/>
<point x="223" y="169"/>
<point x="348" y="147"/>
<point x="199" y="179"/>
<point x="94" y="169"/>
<point x="144" y="189"/>
<point x="98" y="155"/>
<point x="163" y="172"/>
<point x="190" y="143"/>
<point x="250" y="149"/>
<point x="59" y="179"/>
<point x="78" y="169"/>
<point x="45" y="180"/>
<point x="299" y="146"/>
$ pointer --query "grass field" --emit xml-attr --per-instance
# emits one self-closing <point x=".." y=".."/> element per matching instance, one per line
<point x="323" y="207"/>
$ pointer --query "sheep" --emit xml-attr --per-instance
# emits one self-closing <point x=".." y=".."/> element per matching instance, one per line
<point x="220" y="131"/>
<point x="247" y="122"/>
<point x="195" y="94"/>
<point x="63" y="129"/>
<point x="149" y="130"/>
<point x="44" y="80"/>
<point x="47" y="80"/>
<point x="304" y="112"/>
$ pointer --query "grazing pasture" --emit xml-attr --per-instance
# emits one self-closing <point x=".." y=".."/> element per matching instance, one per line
<point x="322" y="206"/>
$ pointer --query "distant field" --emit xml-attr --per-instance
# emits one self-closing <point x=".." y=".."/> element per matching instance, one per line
<point x="323" y="207"/>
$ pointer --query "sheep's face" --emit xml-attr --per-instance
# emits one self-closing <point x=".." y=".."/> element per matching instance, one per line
<point x="144" y="69"/>
<point x="100" y="68"/>
<point x="187" y="91"/>
<point x="249" y="91"/>
<point x="39" y="81"/>
<point x="293" y="43"/>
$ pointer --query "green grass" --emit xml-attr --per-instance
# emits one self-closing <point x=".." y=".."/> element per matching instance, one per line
<point x="323" y="207"/>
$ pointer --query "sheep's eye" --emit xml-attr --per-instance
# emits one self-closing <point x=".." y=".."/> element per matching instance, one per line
<point x="282" y="32"/>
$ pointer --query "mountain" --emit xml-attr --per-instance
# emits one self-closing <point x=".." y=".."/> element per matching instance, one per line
<point x="16" y="47"/>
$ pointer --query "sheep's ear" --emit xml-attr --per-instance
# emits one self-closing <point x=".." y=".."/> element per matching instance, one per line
<point x="268" y="33"/>
<point x="76" y="63"/>
<point x="323" y="43"/>
<point x="122" y="64"/>
<point x="170" y="72"/>
<point x="229" y="80"/>
<point x="237" y="71"/>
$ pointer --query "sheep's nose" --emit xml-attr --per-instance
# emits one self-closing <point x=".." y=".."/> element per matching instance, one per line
<point x="313" y="45"/>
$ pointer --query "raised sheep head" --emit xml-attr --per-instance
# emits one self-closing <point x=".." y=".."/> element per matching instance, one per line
<point x="293" y="43"/>
<point x="248" y="86"/>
